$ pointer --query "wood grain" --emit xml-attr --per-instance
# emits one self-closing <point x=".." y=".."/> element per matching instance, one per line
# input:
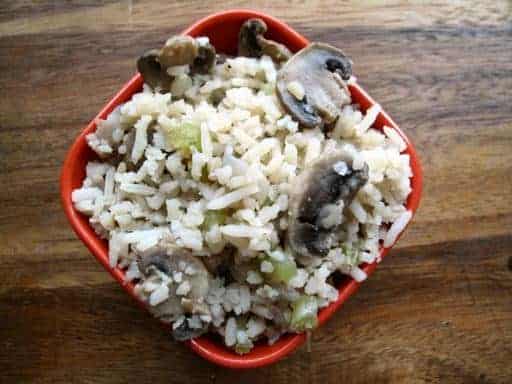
<point x="439" y="309"/>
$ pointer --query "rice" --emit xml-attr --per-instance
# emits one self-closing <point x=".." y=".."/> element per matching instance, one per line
<point x="296" y="89"/>
<point x="137" y="189"/>
<point x="232" y="197"/>
<point x="396" y="228"/>
<point x="84" y="194"/>
<point x="395" y="138"/>
<point x="368" y="120"/>
<point x="229" y="196"/>
<point x="357" y="274"/>
<point x="243" y="231"/>
<point x="230" y="332"/>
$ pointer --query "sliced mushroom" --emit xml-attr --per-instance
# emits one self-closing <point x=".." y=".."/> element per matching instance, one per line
<point x="228" y="266"/>
<point x="185" y="332"/>
<point x="252" y="43"/>
<point x="177" y="50"/>
<point x="321" y="70"/>
<point x="281" y="315"/>
<point x="205" y="59"/>
<point x="220" y="265"/>
<point x="178" y="261"/>
<point x="328" y="182"/>
<point x="216" y="96"/>
<point x="152" y="71"/>
<point x="158" y="260"/>
<point x="195" y="307"/>
<point x="170" y="309"/>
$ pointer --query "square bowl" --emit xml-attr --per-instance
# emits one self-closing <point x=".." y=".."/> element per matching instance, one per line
<point x="222" y="30"/>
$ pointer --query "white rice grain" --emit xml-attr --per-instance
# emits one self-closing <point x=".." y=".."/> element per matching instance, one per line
<point x="312" y="151"/>
<point x="206" y="141"/>
<point x="254" y="278"/>
<point x="243" y="231"/>
<point x="141" y="138"/>
<point x="395" y="138"/>
<point x="173" y="207"/>
<point x="255" y="327"/>
<point x="296" y="89"/>
<point x="137" y="189"/>
<point x="358" y="211"/>
<point x="396" y="228"/>
<point x="159" y="295"/>
<point x="368" y="120"/>
<point x="266" y="267"/>
<point x="85" y="194"/>
<point x="230" y="332"/>
<point x="358" y="274"/>
<point x="231" y="197"/>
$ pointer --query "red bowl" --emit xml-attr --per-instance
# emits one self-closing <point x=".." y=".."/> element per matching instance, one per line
<point x="222" y="29"/>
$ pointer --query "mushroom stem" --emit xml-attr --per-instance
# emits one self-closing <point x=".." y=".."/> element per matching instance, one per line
<point x="252" y="43"/>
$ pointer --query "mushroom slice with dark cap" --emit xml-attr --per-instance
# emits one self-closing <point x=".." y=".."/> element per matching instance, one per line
<point x="317" y="191"/>
<point x="178" y="260"/>
<point x="185" y="332"/>
<point x="182" y="50"/>
<point x="158" y="260"/>
<point x="205" y="59"/>
<point x="222" y="264"/>
<point x="177" y="50"/>
<point x="321" y="70"/>
<point x="152" y="71"/>
<point x="252" y="43"/>
<point x="194" y="271"/>
<point x="229" y="266"/>
<point x="170" y="309"/>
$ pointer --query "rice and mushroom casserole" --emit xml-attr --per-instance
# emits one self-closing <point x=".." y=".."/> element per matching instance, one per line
<point x="227" y="214"/>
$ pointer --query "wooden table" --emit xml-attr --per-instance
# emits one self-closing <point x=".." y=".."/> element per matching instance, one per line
<point x="438" y="310"/>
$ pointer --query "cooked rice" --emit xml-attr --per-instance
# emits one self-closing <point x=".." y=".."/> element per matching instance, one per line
<point x="141" y="194"/>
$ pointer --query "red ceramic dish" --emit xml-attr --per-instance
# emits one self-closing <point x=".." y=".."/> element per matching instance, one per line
<point x="222" y="29"/>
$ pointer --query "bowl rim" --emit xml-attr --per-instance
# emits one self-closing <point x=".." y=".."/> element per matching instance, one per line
<point x="203" y="346"/>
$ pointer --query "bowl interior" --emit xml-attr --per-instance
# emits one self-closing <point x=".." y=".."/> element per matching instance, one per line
<point x="222" y="29"/>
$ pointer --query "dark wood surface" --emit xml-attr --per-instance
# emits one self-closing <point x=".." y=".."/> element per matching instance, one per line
<point x="438" y="310"/>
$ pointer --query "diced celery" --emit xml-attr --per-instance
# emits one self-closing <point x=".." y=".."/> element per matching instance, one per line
<point x="304" y="314"/>
<point x="351" y="252"/>
<point x="204" y="174"/>
<point x="185" y="136"/>
<point x="268" y="201"/>
<point x="212" y="218"/>
<point x="284" y="271"/>
<point x="242" y="349"/>
<point x="268" y="88"/>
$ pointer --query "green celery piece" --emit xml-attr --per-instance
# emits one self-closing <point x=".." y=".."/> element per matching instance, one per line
<point x="352" y="253"/>
<point x="214" y="217"/>
<point x="185" y="136"/>
<point x="268" y="88"/>
<point x="242" y="349"/>
<point x="304" y="315"/>
<point x="284" y="271"/>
